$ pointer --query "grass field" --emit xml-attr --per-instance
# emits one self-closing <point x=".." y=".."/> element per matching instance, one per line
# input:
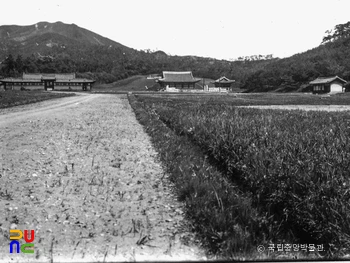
<point x="131" y="84"/>
<point x="139" y="83"/>
<point x="255" y="177"/>
<point x="251" y="99"/>
<point x="10" y="98"/>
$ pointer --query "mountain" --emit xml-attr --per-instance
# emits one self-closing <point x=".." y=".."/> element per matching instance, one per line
<point x="43" y="36"/>
<point x="59" y="47"/>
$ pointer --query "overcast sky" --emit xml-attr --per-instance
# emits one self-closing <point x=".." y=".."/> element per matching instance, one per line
<point x="223" y="29"/>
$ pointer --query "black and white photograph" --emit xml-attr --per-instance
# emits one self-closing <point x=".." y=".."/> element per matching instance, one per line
<point x="174" y="131"/>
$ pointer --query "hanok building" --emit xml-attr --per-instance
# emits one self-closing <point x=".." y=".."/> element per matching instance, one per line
<point x="328" y="85"/>
<point x="223" y="82"/>
<point x="47" y="82"/>
<point x="180" y="80"/>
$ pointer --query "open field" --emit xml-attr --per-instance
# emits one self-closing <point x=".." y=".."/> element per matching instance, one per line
<point x="252" y="99"/>
<point x="10" y="98"/>
<point x="138" y="84"/>
<point x="83" y="174"/>
<point x="131" y="84"/>
<point x="256" y="177"/>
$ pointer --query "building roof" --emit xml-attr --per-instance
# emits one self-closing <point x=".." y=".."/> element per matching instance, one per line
<point x="322" y="80"/>
<point x="224" y="80"/>
<point x="75" y="80"/>
<point x="16" y="80"/>
<point x="176" y="76"/>
<point x="38" y="77"/>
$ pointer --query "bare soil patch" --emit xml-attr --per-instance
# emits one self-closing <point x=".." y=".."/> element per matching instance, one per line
<point x="83" y="174"/>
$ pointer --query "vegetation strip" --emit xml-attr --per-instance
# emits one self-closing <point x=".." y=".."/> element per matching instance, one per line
<point x="294" y="166"/>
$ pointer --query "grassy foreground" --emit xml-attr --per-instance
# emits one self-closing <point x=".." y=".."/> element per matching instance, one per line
<point x="10" y="98"/>
<point x="280" y="177"/>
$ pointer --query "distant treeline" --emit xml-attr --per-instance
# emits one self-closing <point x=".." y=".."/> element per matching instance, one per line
<point x="107" y="64"/>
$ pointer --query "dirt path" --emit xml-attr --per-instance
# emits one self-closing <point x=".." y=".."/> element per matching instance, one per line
<point x="82" y="173"/>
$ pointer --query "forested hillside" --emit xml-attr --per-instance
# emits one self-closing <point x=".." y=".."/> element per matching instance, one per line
<point x="111" y="64"/>
<point x="58" y="47"/>
<point x="331" y="58"/>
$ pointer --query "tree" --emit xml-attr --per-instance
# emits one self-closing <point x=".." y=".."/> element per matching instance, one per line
<point x="29" y="65"/>
<point x="19" y="64"/>
<point x="340" y="31"/>
<point x="9" y="66"/>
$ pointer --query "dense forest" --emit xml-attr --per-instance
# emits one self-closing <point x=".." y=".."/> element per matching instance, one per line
<point x="256" y="73"/>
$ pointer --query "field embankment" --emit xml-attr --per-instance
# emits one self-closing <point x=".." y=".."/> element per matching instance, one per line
<point x="280" y="177"/>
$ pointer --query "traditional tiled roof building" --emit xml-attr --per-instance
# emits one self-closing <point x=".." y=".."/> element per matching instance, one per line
<point x="47" y="81"/>
<point x="223" y="82"/>
<point x="174" y="79"/>
<point x="327" y="85"/>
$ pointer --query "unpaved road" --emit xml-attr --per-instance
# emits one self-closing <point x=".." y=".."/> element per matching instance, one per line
<point x="82" y="173"/>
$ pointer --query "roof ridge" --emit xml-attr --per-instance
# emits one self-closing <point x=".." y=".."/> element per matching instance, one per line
<point x="320" y="80"/>
<point x="327" y="77"/>
<point x="177" y="72"/>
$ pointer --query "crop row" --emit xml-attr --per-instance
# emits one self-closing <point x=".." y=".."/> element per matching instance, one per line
<point x="294" y="164"/>
<point x="221" y="214"/>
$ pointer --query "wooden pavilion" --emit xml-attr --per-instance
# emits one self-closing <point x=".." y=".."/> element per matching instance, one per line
<point x="48" y="82"/>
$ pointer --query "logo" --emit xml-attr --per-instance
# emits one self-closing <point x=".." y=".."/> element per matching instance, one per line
<point x="17" y="234"/>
